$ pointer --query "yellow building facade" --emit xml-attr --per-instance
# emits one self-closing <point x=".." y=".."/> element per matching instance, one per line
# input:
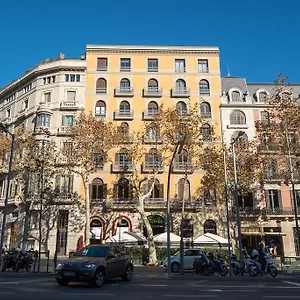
<point x="126" y="84"/>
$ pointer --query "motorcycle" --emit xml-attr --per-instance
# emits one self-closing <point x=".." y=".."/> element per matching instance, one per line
<point x="218" y="265"/>
<point x="9" y="260"/>
<point x="202" y="265"/>
<point x="248" y="266"/>
<point x="266" y="266"/>
<point x="25" y="261"/>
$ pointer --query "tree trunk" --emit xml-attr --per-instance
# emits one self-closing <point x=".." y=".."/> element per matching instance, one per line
<point x="87" y="213"/>
<point x="151" y="245"/>
<point x="26" y="227"/>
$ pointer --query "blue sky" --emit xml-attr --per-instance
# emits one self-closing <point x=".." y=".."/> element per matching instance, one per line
<point x="257" y="38"/>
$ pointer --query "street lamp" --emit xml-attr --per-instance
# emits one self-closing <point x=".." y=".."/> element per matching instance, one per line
<point x="237" y="206"/>
<point x="9" y="175"/>
<point x="178" y="149"/>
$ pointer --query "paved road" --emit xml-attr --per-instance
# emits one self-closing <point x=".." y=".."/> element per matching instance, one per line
<point x="148" y="284"/>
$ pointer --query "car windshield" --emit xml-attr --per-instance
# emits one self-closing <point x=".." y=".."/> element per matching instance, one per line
<point x="94" y="251"/>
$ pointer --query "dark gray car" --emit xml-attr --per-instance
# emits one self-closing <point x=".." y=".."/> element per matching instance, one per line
<point x="94" y="264"/>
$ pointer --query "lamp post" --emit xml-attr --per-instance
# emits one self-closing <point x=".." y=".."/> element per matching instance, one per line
<point x="178" y="149"/>
<point x="9" y="175"/>
<point x="237" y="206"/>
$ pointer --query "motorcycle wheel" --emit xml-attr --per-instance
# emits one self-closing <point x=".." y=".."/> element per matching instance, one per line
<point x="3" y="268"/>
<point x="235" y="271"/>
<point x="206" y="270"/>
<point x="273" y="271"/>
<point x="253" y="271"/>
<point x="17" y="268"/>
<point x="223" y="271"/>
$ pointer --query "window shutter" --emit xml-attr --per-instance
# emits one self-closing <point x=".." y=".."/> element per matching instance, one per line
<point x="104" y="191"/>
<point x="71" y="95"/>
<point x="101" y="62"/>
<point x="115" y="191"/>
<point x="267" y="199"/>
<point x="161" y="191"/>
<point x="279" y="198"/>
<point x="130" y="192"/>
<point x="57" y="183"/>
<point x="90" y="190"/>
<point x="71" y="184"/>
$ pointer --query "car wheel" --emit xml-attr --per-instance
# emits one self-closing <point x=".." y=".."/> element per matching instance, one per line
<point x="62" y="282"/>
<point x="98" y="278"/>
<point x="175" y="267"/>
<point x="128" y="274"/>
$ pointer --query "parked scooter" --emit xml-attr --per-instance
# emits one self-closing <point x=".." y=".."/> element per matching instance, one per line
<point x="9" y="260"/>
<point x="264" y="264"/>
<point x="25" y="260"/>
<point x="218" y="265"/>
<point x="202" y="265"/>
<point x="248" y="266"/>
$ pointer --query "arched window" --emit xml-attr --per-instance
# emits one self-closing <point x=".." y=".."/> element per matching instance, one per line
<point x="152" y="158"/>
<point x="124" y="84"/>
<point x="181" y="108"/>
<point x="156" y="192"/>
<point x="237" y="117"/>
<point x="123" y="129"/>
<point x="101" y="86"/>
<point x="210" y="226"/>
<point x="152" y="108"/>
<point x="123" y="159"/>
<point x="100" y="109"/>
<point x="264" y="117"/>
<point x="152" y="133"/>
<point x="204" y="87"/>
<point x="182" y="160"/>
<point x="123" y="188"/>
<point x="124" y="108"/>
<point x="205" y="110"/>
<point x="236" y="96"/>
<point x="97" y="189"/>
<point x="157" y="223"/>
<point x="184" y="189"/>
<point x="180" y="85"/>
<point x="205" y="130"/>
<point x="262" y="96"/>
<point x="122" y="226"/>
<point x="152" y="83"/>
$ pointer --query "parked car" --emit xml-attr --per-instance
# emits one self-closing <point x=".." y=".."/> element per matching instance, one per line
<point x="94" y="264"/>
<point x="188" y="260"/>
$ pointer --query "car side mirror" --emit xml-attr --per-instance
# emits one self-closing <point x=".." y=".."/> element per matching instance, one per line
<point x="110" y="255"/>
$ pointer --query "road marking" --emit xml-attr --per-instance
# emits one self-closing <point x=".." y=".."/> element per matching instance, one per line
<point x="293" y="283"/>
<point x="86" y="294"/>
<point x="153" y="285"/>
<point x="7" y="293"/>
<point x="197" y="282"/>
<point x="219" y="291"/>
<point x="281" y="297"/>
<point x="9" y="282"/>
<point x="191" y="296"/>
<point x="242" y="290"/>
<point x="227" y="286"/>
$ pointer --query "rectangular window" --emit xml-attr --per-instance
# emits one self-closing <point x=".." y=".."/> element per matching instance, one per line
<point x="152" y="65"/>
<point x="125" y="64"/>
<point x="34" y="219"/>
<point x="202" y="65"/>
<point x="67" y="77"/>
<point x="179" y="65"/>
<point x="71" y="96"/>
<point x="67" y="148"/>
<point x="49" y="79"/>
<point x="43" y="120"/>
<point x="77" y="78"/>
<point x="72" y="77"/>
<point x="64" y="184"/>
<point x="53" y="79"/>
<point x="47" y="97"/>
<point x="45" y="80"/>
<point x="68" y="120"/>
<point x="264" y="117"/>
<point x="25" y="104"/>
<point x="101" y="64"/>
<point x="273" y="199"/>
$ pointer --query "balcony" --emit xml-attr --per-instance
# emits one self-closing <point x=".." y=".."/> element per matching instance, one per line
<point x="69" y="105"/>
<point x="102" y="68"/>
<point x="204" y="92"/>
<point x="61" y="160"/>
<point x="11" y="201"/>
<point x="150" y="114"/>
<point x="40" y="129"/>
<point x="205" y="115"/>
<point x="23" y="113"/>
<point x="127" y="204"/>
<point x="101" y="90"/>
<point x="180" y="93"/>
<point x="182" y="167"/>
<point x="152" y="68"/>
<point x="126" y="137"/>
<point x="152" y="92"/>
<point x="101" y="114"/>
<point x="7" y="120"/>
<point x="44" y="107"/>
<point x="265" y="211"/>
<point x="120" y="167"/>
<point x="64" y="130"/>
<point x="152" y="139"/>
<point x="150" y="167"/>
<point x="274" y="177"/>
<point x="124" y="92"/>
<point x="125" y="114"/>
<point x="269" y="147"/>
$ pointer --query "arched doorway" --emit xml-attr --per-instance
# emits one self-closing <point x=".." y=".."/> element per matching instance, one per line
<point x="96" y="230"/>
<point x="122" y="225"/>
<point x="157" y="223"/>
<point x="210" y="226"/>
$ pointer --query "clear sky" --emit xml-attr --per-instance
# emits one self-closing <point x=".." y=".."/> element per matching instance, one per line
<point x="257" y="38"/>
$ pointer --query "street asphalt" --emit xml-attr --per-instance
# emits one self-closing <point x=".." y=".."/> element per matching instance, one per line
<point x="151" y="283"/>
